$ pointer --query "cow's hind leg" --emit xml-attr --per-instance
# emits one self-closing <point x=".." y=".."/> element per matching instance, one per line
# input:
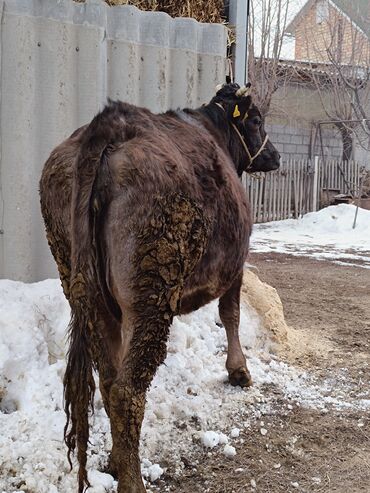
<point x="147" y="334"/>
<point x="147" y="314"/>
<point x="108" y="341"/>
<point x="148" y="286"/>
<point x="229" y="309"/>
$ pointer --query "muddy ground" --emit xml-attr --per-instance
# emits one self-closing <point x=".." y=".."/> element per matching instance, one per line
<point x="304" y="450"/>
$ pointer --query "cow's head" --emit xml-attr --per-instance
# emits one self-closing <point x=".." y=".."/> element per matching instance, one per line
<point x="247" y="125"/>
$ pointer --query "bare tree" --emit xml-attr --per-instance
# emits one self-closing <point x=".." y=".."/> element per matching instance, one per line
<point x="339" y="53"/>
<point x="267" y="25"/>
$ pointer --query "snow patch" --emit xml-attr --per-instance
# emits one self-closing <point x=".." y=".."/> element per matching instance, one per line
<point x="188" y="399"/>
<point x="100" y="480"/>
<point x="229" y="451"/>
<point x="210" y="439"/>
<point x="326" y="234"/>
<point x="235" y="432"/>
<point x="151" y="471"/>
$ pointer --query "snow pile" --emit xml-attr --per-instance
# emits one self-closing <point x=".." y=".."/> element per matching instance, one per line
<point x="189" y="386"/>
<point x="189" y="404"/>
<point x="191" y="383"/>
<point x="33" y="322"/>
<point x="33" y="319"/>
<point x="326" y="234"/>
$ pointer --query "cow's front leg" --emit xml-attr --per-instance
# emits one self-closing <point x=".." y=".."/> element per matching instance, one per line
<point x="229" y="309"/>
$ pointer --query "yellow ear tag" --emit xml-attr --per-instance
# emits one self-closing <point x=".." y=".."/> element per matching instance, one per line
<point x="236" y="111"/>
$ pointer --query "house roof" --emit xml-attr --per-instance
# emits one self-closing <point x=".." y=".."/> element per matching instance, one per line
<point x="302" y="70"/>
<point x="357" y="10"/>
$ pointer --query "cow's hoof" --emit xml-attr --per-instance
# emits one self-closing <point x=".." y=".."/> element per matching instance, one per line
<point x="240" y="377"/>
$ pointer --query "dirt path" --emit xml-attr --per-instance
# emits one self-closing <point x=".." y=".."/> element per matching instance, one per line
<point x="327" y="300"/>
<point x="303" y="450"/>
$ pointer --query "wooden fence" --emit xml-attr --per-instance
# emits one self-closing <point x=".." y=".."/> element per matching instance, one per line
<point x="299" y="187"/>
<point x="342" y="176"/>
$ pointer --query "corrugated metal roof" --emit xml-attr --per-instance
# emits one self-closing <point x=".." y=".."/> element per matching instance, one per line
<point x="306" y="71"/>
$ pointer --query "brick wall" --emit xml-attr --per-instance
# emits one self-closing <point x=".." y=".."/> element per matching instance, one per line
<point x="295" y="109"/>
<point x="293" y="141"/>
<point x="312" y="38"/>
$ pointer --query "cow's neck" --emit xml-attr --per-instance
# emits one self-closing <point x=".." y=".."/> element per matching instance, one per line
<point x="215" y="121"/>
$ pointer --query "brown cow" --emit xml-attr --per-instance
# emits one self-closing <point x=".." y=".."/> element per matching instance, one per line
<point x="146" y="218"/>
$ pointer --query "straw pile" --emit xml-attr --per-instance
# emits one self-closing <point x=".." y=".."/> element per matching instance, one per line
<point x="266" y="302"/>
<point x="201" y="10"/>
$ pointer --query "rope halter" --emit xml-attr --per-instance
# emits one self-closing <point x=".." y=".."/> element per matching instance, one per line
<point x="251" y="158"/>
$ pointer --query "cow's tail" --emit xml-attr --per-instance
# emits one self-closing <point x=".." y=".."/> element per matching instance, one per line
<point x="89" y="195"/>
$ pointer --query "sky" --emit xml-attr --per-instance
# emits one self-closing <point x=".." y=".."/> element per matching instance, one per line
<point x="288" y="46"/>
<point x="293" y="7"/>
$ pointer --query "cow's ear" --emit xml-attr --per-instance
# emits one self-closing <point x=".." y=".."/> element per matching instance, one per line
<point x="237" y="111"/>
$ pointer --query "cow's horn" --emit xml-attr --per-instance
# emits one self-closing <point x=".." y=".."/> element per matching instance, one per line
<point x="219" y="87"/>
<point x="243" y="92"/>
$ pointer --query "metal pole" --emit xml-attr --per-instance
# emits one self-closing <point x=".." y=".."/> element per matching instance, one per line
<point x="238" y="17"/>
<point x="358" y="201"/>
<point x="315" y="183"/>
<point x="246" y="42"/>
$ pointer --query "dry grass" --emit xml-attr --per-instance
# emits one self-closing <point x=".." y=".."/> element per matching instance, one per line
<point x="201" y="10"/>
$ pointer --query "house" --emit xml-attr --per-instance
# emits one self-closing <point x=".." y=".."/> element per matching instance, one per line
<point x="327" y="29"/>
<point x="298" y="107"/>
<point x="295" y="110"/>
<point x="328" y="34"/>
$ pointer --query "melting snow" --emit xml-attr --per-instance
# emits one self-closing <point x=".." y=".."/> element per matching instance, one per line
<point x="229" y="451"/>
<point x="326" y="234"/>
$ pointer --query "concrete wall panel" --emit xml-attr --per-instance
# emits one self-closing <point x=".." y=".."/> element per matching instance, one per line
<point x="59" y="63"/>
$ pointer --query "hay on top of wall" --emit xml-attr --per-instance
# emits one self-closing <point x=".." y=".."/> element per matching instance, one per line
<point x="201" y="10"/>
